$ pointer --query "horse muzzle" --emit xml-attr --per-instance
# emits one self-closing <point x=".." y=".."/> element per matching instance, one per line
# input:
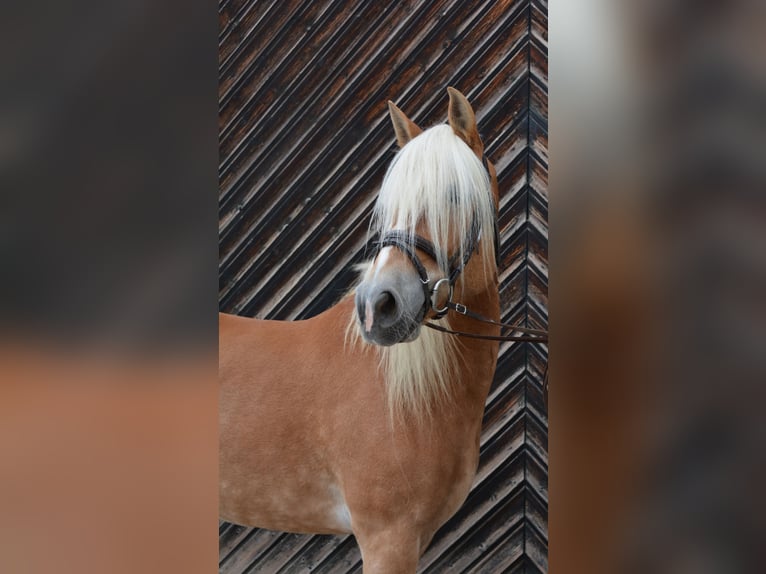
<point x="387" y="316"/>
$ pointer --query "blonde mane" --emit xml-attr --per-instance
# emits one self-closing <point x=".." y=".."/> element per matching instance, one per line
<point x="435" y="180"/>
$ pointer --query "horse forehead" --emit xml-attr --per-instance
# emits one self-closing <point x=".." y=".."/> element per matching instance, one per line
<point x="386" y="259"/>
<point x="392" y="262"/>
<point x="385" y="254"/>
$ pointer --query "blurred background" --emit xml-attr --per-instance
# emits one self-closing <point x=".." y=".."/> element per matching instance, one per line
<point x="108" y="234"/>
<point x="657" y="285"/>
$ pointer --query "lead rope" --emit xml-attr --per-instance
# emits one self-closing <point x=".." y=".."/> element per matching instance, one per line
<point x="542" y="336"/>
<point x="519" y="338"/>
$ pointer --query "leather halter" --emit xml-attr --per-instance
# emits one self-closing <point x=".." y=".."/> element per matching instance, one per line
<point x="407" y="245"/>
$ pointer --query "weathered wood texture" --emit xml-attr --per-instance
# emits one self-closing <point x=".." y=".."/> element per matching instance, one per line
<point x="304" y="142"/>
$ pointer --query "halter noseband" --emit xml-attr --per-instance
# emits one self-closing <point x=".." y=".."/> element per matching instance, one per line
<point x="407" y="244"/>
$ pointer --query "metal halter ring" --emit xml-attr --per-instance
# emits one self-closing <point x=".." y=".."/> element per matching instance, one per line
<point x="435" y="297"/>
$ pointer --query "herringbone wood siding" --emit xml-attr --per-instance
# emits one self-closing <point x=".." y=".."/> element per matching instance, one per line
<point x="304" y="142"/>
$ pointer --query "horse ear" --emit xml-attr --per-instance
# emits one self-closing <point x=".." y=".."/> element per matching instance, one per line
<point x="462" y="120"/>
<point x="404" y="127"/>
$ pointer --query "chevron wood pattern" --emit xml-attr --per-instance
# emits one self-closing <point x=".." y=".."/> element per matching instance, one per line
<point x="304" y="143"/>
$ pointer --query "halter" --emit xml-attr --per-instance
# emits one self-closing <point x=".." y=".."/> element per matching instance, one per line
<point x="403" y="241"/>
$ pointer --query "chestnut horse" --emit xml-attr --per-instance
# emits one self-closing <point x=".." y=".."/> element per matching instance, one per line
<point x="357" y="420"/>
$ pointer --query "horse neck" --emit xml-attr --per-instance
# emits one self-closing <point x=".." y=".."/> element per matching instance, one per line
<point x="477" y="366"/>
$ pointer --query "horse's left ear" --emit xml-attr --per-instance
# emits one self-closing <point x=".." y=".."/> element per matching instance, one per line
<point x="463" y="120"/>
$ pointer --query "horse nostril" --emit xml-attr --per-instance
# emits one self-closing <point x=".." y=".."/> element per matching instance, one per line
<point x="385" y="304"/>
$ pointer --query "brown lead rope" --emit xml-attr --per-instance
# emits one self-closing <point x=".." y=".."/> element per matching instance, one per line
<point x="542" y="336"/>
<point x="520" y="338"/>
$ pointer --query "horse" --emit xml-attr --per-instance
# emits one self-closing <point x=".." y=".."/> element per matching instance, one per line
<point x="359" y="420"/>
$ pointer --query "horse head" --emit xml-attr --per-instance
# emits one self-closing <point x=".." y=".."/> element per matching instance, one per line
<point x="435" y="219"/>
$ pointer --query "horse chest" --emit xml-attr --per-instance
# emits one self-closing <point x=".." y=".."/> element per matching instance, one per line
<point x="421" y="482"/>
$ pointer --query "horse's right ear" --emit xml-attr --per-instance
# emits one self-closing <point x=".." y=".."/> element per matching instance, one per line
<point x="404" y="127"/>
